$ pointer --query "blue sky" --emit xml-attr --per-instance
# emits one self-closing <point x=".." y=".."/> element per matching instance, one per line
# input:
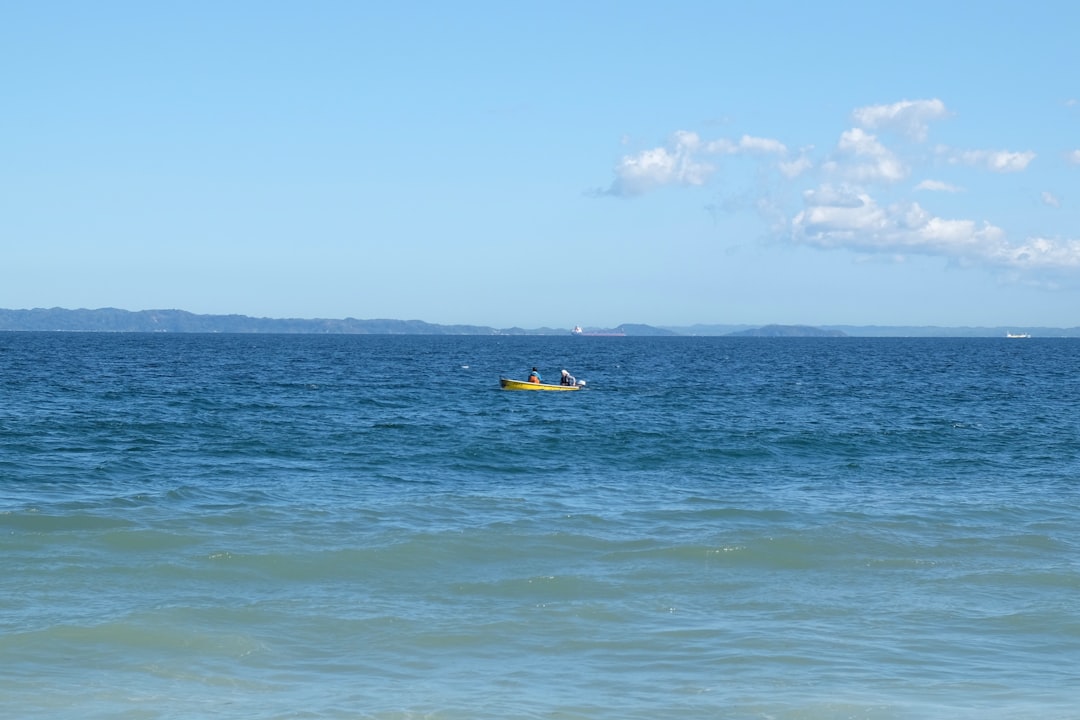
<point x="545" y="164"/>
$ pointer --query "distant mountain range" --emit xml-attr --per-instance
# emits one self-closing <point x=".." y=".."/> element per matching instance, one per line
<point x="180" y="321"/>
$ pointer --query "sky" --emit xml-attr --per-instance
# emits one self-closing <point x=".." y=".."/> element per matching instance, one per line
<point x="545" y="164"/>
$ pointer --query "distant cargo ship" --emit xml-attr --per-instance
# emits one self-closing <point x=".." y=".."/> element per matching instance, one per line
<point x="578" y="331"/>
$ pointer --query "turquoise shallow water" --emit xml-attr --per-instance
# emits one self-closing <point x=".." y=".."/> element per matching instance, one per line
<point x="367" y="527"/>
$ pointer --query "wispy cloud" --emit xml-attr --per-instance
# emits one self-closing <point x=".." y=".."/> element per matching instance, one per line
<point x="1039" y="253"/>
<point x="748" y="144"/>
<point x="1001" y="161"/>
<point x="938" y="186"/>
<point x="1073" y="157"/>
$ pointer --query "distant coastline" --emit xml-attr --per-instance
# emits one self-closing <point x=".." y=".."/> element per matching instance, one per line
<point x="181" y="321"/>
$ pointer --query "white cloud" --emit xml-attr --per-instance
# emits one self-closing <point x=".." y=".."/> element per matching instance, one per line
<point x="681" y="162"/>
<point x="843" y="212"/>
<point x="849" y="218"/>
<point x="859" y="157"/>
<point x="1000" y="161"/>
<point x="852" y="219"/>
<point x="909" y="117"/>
<point x="675" y="164"/>
<point x="838" y="217"/>
<point x="938" y="186"/>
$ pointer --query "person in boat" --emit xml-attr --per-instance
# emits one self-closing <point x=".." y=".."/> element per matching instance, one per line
<point x="568" y="379"/>
<point x="534" y="376"/>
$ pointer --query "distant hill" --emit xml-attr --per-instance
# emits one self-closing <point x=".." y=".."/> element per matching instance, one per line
<point x="877" y="331"/>
<point x="181" y="321"/>
<point x="956" y="331"/>
<point x="634" y="329"/>
<point x="700" y="329"/>
<point x="645" y="330"/>
<point x="789" y="331"/>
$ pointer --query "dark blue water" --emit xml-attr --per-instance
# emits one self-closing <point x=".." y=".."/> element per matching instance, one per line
<point x="368" y="527"/>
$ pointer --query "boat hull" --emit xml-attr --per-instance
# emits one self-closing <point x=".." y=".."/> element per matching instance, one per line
<point x="508" y="384"/>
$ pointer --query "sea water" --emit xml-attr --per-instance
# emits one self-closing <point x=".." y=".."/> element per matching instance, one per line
<point x="300" y="526"/>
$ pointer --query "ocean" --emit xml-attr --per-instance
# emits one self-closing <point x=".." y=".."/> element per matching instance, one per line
<point x="355" y="526"/>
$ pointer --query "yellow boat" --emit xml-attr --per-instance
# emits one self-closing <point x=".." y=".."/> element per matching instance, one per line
<point x="508" y="384"/>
